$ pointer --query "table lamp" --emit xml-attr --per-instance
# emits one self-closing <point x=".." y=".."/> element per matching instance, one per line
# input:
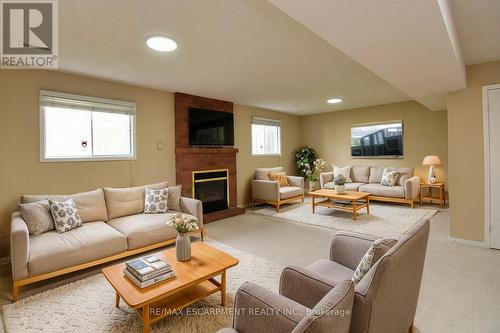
<point x="432" y="161"/>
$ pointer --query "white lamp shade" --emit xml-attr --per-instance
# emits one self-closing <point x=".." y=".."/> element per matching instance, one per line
<point x="431" y="160"/>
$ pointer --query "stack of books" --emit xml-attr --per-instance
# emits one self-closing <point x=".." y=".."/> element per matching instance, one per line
<point x="147" y="271"/>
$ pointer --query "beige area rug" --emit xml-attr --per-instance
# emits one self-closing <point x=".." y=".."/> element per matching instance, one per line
<point x="88" y="305"/>
<point x="384" y="221"/>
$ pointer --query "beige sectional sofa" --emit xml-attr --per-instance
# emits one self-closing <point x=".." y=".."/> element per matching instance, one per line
<point x="114" y="227"/>
<point x="368" y="178"/>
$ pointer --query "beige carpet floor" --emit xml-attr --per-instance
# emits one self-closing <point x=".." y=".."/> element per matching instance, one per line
<point x="88" y="305"/>
<point x="384" y="220"/>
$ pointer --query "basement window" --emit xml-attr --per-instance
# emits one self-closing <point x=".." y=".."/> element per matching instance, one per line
<point x="266" y="137"/>
<point x="82" y="128"/>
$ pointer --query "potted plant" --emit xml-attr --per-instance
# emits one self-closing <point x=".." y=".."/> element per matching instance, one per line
<point x="304" y="159"/>
<point x="339" y="182"/>
<point x="184" y="224"/>
<point x="312" y="174"/>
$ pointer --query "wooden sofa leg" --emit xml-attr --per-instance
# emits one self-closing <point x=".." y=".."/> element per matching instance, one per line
<point x="278" y="207"/>
<point x="411" y="203"/>
<point x="410" y="329"/>
<point x="15" y="291"/>
<point x="202" y="234"/>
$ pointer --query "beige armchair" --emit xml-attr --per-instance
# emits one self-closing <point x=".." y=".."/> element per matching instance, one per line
<point x="265" y="191"/>
<point x="257" y="310"/>
<point x="386" y="298"/>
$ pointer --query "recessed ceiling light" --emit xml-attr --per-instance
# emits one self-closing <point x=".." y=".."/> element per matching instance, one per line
<point x="161" y="43"/>
<point x="334" y="100"/>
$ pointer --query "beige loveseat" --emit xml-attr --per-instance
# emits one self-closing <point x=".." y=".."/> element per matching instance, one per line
<point x="265" y="191"/>
<point x="368" y="178"/>
<point x="114" y="227"/>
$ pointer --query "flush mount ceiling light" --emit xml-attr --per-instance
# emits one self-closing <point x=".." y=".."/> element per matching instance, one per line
<point x="161" y="43"/>
<point x="334" y="100"/>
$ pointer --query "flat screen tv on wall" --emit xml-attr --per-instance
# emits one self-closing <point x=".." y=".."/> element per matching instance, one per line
<point x="381" y="140"/>
<point x="210" y="128"/>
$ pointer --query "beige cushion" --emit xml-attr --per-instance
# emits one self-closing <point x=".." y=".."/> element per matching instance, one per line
<point x="384" y="191"/>
<point x="129" y="200"/>
<point x="348" y="186"/>
<point x="91" y="205"/>
<point x="37" y="216"/>
<point x="174" y="198"/>
<point x="144" y="229"/>
<point x="263" y="173"/>
<point x="290" y="191"/>
<point x="389" y="177"/>
<point x="344" y="171"/>
<point x="331" y="269"/>
<point x="51" y="251"/>
<point x="360" y="174"/>
<point x="404" y="174"/>
<point x="376" y="174"/>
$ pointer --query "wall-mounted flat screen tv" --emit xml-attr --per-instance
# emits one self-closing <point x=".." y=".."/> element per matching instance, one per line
<point x="210" y="128"/>
<point x="377" y="140"/>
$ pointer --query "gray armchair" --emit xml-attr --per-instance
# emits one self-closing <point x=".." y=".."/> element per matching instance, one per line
<point x="257" y="310"/>
<point x="265" y="191"/>
<point x="386" y="297"/>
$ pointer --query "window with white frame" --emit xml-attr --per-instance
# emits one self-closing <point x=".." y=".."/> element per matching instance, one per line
<point x="266" y="136"/>
<point x="75" y="128"/>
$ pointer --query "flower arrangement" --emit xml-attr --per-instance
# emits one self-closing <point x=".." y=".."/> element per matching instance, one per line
<point x="183" y="223"/>
<point x="339" y="180"/>
<point x="312" y="174"/>
<point x="304" y="159"/>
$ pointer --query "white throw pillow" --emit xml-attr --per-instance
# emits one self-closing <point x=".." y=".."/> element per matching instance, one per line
<point x="389" y="177"/>
<point x="374" y="253"/>
<point x="156" y="201"/>
<point x="65" y="215"/>
<point x="344" y="171"/>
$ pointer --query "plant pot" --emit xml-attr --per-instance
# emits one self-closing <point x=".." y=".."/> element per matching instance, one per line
<point x="313" y="185"/>
<point x="183" y="247"/>
<point x="339" y="189"/>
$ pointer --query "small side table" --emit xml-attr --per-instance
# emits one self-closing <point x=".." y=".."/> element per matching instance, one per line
<point x="441" y="197"/>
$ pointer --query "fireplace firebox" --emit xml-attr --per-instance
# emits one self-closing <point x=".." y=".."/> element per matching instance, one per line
<point x="212" y="188"/>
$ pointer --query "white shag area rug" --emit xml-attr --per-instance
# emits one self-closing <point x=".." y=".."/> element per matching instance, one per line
<point x="384" y="221"/>
<point x="88" y="305"/>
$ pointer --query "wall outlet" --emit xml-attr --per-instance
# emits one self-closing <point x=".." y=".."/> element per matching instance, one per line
<point x="159" y="145"/>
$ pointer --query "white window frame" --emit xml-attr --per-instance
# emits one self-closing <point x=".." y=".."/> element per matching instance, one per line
<point x="111" y="105"/>
<point x="269" y="122"/>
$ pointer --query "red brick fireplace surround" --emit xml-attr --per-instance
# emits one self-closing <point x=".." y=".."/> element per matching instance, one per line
<point x="189" y="158"/>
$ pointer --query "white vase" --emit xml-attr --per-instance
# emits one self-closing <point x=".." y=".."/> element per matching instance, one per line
<point x="312" y="185"/>
<point x="183" y="247"/>
<point x="339" y="189"/>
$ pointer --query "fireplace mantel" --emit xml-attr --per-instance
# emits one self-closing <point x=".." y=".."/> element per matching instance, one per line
<point x="190" y="159"/>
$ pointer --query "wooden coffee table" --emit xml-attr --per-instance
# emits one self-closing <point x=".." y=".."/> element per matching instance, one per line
<point x="194" y="280"/>
<point x="357" y="200"/>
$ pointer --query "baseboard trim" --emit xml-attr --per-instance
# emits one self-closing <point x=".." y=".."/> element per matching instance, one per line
<point x="4" y="261"/>
<point x="481" y="244"/>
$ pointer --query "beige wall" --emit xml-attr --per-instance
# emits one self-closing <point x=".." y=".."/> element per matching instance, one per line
<point x="246" y="163"/>
<point x="424" y="134"/>
<point x="20" y="169"/>
<point x="465" y="136"/>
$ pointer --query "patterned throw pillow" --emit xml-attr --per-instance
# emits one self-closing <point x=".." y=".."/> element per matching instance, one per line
<point x="174" y="198"/>
<point x="345" y="171"/>
<point x="279" y="177"/>
<point x="37" y="217"/>
<point x="156" y="201"/>
<point x="374" y="253"/>
<point x="389" y="177"/>
<point x="65" y="215"/>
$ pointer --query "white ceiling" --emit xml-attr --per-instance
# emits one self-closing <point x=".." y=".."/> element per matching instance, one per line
<point x="289" y="59"/>
<point x="411" y="44"/>
<point x="478" y="27"/>
<point x="244" y="51"/>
